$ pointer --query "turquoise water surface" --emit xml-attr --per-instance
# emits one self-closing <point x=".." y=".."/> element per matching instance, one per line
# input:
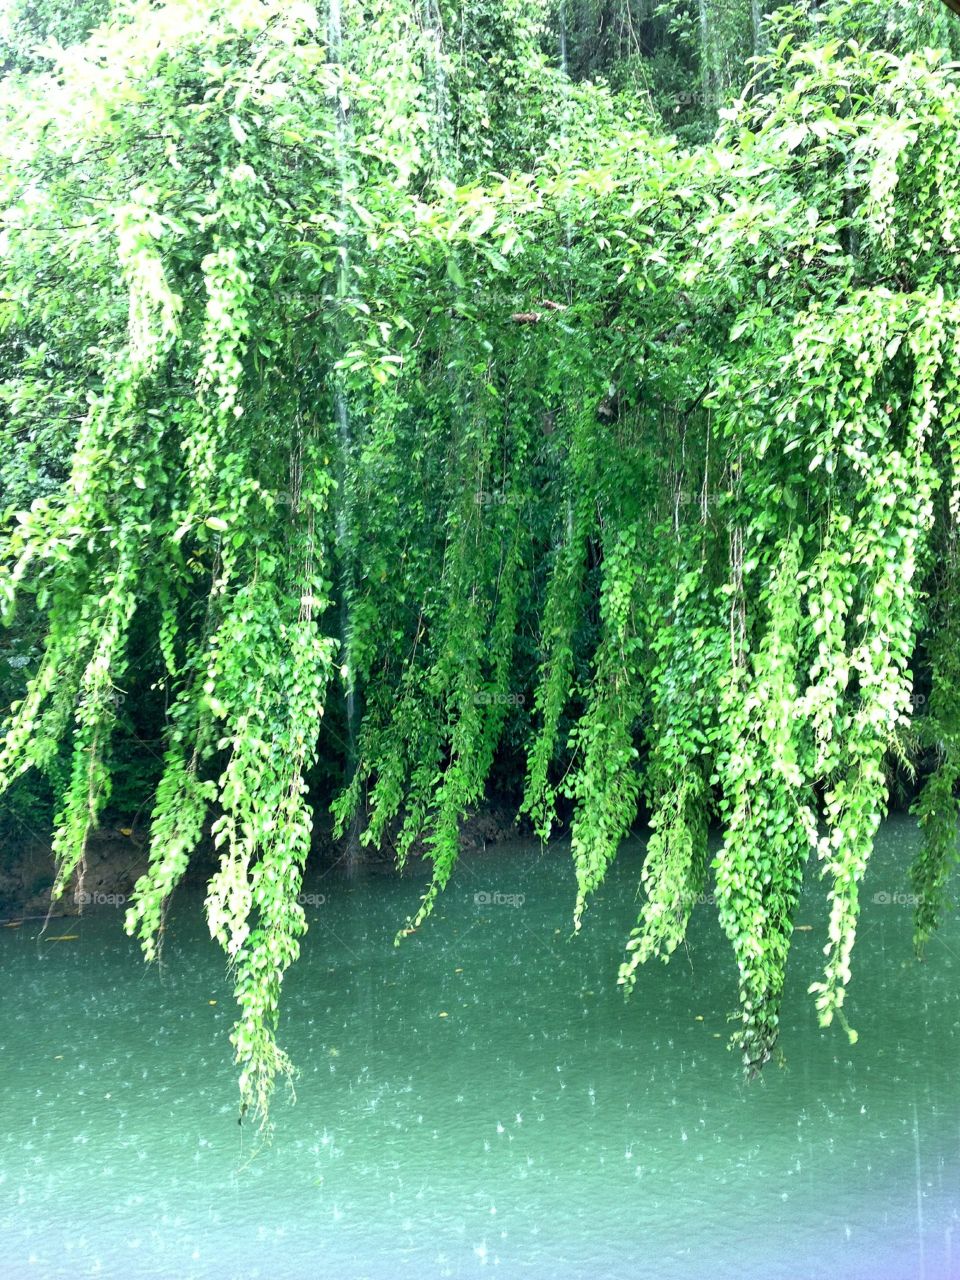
<point x="481" y="1100"/>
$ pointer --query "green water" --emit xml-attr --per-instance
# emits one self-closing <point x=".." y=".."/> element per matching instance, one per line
<point x="543" y="1128"/>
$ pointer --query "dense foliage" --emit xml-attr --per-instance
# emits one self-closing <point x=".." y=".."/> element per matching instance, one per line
<point x="373" y="365"/>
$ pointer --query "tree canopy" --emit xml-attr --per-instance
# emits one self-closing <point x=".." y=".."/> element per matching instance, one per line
<point x="408" y="383"/>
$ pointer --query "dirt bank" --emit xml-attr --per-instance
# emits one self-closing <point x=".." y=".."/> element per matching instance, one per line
<point x="117" y="856"/>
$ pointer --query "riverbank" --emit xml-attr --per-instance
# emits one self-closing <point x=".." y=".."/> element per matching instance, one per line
<point x="117" y="855"/>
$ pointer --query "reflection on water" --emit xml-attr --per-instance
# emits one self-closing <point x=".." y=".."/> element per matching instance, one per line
<point x="482" y="1098"/>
